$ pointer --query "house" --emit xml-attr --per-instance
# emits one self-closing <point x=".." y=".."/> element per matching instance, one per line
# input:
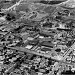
<point x="47" y="44"/>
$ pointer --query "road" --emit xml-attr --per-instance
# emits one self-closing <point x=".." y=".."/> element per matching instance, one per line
<point x="68" y="51"/>
<point x="5" y="10"/>
<point x="22" y="49"/>
<point x="64" y="57"/>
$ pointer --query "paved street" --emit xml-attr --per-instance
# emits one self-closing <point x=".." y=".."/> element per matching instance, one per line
<point x="68" y="51"/>
<point x="64" y="57"/>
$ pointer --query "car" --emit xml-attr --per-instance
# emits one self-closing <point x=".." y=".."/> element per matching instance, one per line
<point x="48" y="52"/>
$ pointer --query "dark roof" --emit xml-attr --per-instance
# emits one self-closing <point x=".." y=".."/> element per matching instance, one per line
<point x="47" y="24"/>
<point x="68" y="72"/>
<point x="47" y="44"/>
<point x="51" y="2"/>
<point x="46" y="34"/>
<point x="58" y="50"/>
<point x="70" y="43"/>
<point x="46" y="49"/>
<point x="34" y="42"/>
<point x="64" y="29"/>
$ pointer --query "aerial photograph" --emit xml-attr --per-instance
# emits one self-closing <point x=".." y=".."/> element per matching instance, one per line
<point x="37" y="37"/>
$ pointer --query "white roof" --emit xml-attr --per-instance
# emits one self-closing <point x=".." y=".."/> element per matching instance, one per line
<point x="30" y="38"/>
<point x="29" y="46"/>
<point x="41" y="37"/>
<point x="2" y="18"/>
<point x="73" y="69"/>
